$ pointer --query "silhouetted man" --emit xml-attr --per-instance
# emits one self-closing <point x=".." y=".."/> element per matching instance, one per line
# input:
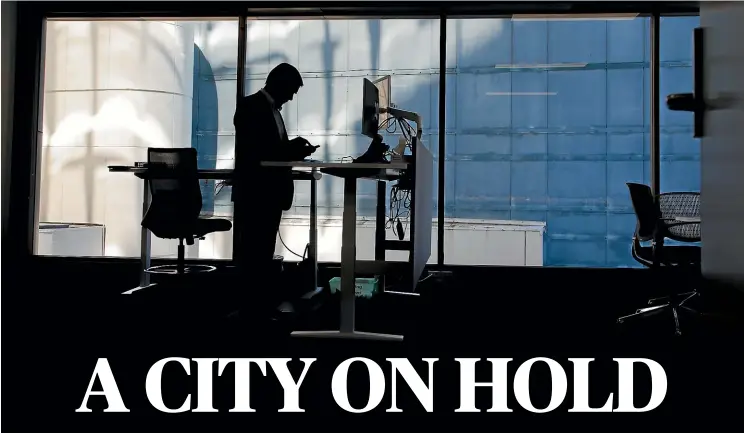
<point x="261" y="194"/>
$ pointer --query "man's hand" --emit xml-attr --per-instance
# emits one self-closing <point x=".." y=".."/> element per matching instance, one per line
<point x="302" y="148"/>
<point x="299" y="142"/>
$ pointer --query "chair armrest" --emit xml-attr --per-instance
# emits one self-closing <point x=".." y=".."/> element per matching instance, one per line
<point x="681" y="223"/>
<point x="668" y="228"/>
<point x="673" y="222"/>
<point x="163" y="173"/>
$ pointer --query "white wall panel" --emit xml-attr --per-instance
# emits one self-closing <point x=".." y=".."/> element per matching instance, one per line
<point x="112" y="89"/>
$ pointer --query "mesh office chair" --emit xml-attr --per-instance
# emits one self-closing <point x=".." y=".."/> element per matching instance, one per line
<point x="176" y="204"/>
<point x="657" y="221"/>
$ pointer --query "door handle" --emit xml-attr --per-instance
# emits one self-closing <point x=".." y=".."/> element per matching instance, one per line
<point x="693" y="102"/>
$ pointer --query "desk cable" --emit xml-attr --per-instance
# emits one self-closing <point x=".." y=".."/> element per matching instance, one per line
<point x="405" y="127"/>
<point x="304" y="254"/>
<point x="220" y="185"/>
<point x="400" y="205"/>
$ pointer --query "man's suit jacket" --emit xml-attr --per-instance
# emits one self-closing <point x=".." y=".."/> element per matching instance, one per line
<point x="258" y="138"/>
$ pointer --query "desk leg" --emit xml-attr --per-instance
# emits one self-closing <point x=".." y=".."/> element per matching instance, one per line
<point x="348" y="276"/>
<point x="380" y="235"/>
<point x="348" y="257"/>
<point x="314" y="228"/>
<point x="313" y="249"/>
<point x="144" y="245"/>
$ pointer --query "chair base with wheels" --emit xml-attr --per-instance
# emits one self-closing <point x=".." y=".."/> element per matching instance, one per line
<point x="677" y="257"/>
<point x="202" y="227"/>
<point x="667" y="299"/>
<point x="669" y="304"/>
<point x="670" y="216"/>
<point x="180" y="268"/>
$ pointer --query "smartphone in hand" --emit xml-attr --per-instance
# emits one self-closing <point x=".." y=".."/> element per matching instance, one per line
<point x="311" y="149"/>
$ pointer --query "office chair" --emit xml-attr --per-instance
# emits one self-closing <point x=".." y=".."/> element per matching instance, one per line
<point x="175" y="206"/>
<point x="656" y="221"/>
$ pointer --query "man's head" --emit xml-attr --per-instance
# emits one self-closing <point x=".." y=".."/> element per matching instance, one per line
<point x="283" y="82"/>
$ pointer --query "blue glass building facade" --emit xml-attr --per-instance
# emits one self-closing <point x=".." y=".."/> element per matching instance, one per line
<point x="545" y="120"/>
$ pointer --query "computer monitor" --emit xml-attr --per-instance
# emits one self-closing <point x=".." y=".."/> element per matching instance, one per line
<point x="370" y="109"/>
<point x="383" y="90"/>
<point x="376" y="95"/>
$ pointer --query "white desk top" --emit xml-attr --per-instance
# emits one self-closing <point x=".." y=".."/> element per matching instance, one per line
<point x="347" y="165"/>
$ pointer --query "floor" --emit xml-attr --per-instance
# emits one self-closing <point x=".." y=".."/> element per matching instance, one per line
<point x="470" y="314"/>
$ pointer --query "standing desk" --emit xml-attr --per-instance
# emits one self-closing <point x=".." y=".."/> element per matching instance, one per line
<point x="211" y="174"/>
<point x="419" y="246"/>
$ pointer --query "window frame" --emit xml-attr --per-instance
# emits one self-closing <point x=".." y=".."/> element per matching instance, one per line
<point x="30" y="47"/>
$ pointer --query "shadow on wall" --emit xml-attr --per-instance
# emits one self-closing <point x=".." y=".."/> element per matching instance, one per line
<point x="330" y="199"/>
<point x="498" y="160"/>
<point x="329" y="194"/>
<point x="93" y="157"/>
<point x="100" y="110"/>
<point x="487" y="139"/>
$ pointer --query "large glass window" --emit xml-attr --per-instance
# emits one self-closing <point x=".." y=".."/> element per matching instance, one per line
<point x="334" y="56"/>
<point x="111" y="90"/>
<point x="546" y="121"/>
<point x="680" y="151"/>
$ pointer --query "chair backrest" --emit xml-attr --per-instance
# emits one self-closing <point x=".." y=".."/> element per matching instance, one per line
<point x="646" y="210"/>
<point x="176" y="201"/>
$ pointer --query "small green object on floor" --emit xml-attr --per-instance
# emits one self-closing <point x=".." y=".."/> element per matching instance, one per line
<point x="364" y="287"/>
